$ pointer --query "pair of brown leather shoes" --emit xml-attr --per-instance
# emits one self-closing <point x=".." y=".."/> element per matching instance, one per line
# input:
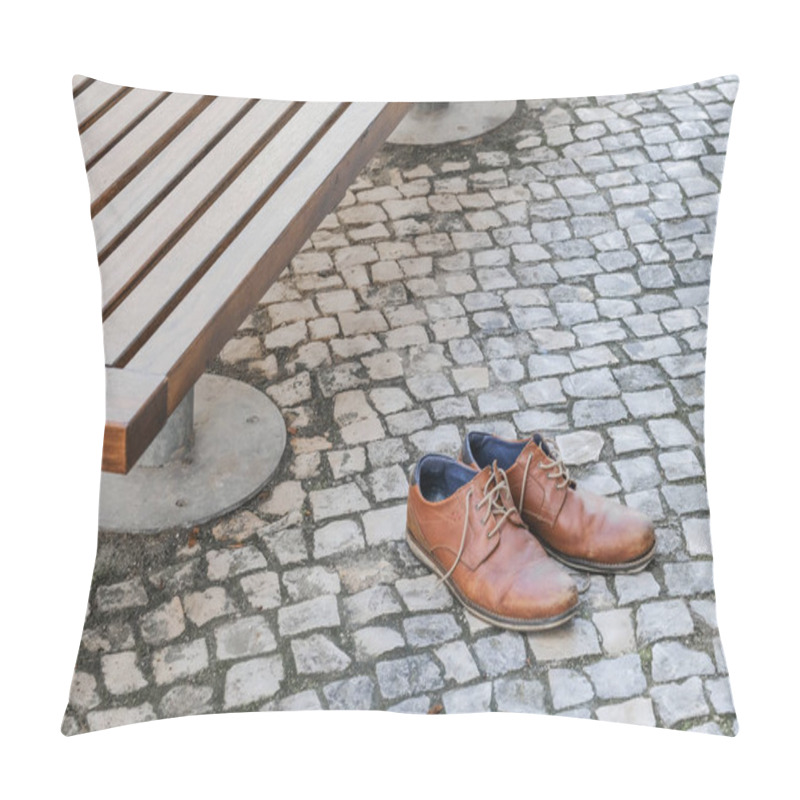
<point x="471" y="523"/>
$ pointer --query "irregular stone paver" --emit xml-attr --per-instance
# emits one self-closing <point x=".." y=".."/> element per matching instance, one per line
<point x="424" y="594"/>
<point x="262" y="590"/>
<point x="676" y="702"/>
<point x="179" y="661"/>
<point x="83" y="691"/>
<point x="553" y="279"/>
<point x="662" y="619"/>
<point x="568" y="688"/>
<point x="468" y="700"/>
<point x="318" y="654"/>
<point x="407" y="676"/>
<point x="638" y="711"/>
<point x="321" y="612"/>
<point x="616" y="631"/>
<point x="374" y="641"/>
<point x="163" y="623"/>
<point x="352" y="693"/>
<point x="514" y="694"/>
<point x="430" y="629"/>
<point x="673" y="660"/>
<point x="121" y="673"/>
<point x="185" y="700"/>
<point x="223" y="564"/>
<point x="498" y="655"/>
<point x="118" y="596"/>
<point x="336" y="538"/>
<point x="618" y="677"/>
<point x="202" y="607"/>
<point x="581" y="447"/>
<point x="253" y="680"/>
<point x="250" y="636"/>
<point x="459" y="665"/>
<point x="578" y="638"/>
<point x="337" y="502"/>
<point x="370" y="603"/>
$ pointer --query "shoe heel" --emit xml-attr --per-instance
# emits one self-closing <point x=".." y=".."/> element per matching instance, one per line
<point x="421" y="554"/>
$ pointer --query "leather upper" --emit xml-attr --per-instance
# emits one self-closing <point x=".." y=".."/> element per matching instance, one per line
<point x="572" y="521"/>
<point x="502" y="569"/>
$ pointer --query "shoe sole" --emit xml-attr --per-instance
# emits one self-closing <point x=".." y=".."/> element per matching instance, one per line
<point x="621" y="568"/>
<point x="487" y="616"/>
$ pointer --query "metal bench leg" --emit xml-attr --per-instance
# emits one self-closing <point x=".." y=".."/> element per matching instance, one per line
<point x="218" y="449"/>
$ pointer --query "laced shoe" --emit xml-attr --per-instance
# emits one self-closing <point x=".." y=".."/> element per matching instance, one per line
<point x="462" y="524"/>
<point x="581" y="529"/>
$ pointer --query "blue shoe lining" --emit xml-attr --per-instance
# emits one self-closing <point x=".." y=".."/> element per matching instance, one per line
<point x="438" y="477"/>
<point x="486" y="449"/>
<point x="483" y="449"/>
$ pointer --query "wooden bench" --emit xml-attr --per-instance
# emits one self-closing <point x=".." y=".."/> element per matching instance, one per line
<point x="198" y="203"/>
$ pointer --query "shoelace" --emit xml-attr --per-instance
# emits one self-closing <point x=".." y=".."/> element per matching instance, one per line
<point x="555" y="465"/>
<point x="497" y="506"/>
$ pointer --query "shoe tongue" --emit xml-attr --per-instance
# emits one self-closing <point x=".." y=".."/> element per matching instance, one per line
<point x="503" y="497"/>
<point x="540" y="443"/>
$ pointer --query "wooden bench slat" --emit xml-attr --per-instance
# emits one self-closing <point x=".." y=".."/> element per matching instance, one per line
<point x="167" y="281"/>
<point x="212" y="311"/>
<point x="136" y="409"/>
<point x="123" y="162"/>
<point x="164" y="225"/>
<point x="114" y="122"/>
<point x="146" y="187"/>
<point x="80" y="83"/>
<point x="91" y="99"/>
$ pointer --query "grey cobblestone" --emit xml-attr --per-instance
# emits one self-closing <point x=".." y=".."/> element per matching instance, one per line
<point x="223" y="564"/>
<point x="676" y="702"/>
<point x="406" y="676"/>
<point x="663" y="619"/>
<point x="318" y="654"/>
<point x="631" y="588"/>
<point x="430" y="629"/>
<point x="673" y="660"/>
<point x="568" y="688"/>
<point x="424" y="594"/>
<point x="369" y="604"/>
<point x="339" y="537"/>
<point x="620" y="677"/>
<point x="577" y="639"/>
<point x="689" y="578"/>
<point x="374" y="641"/>
<point x="179" y="661"/>
<point x="121" y="673"/>
<point x="638" y="711"/>
<point x="497" y="655"/>
<point x="517" y="695"/>
<point x="253" y="680"/>
<point x="469" y="700"/>
<point x="321" y="612"/>
<point x="83" y="691"/>
<point x="164" y="623"/>
<point x="616" y="631"/>
<point x="186" y="700"/>
<point x="458" y="663"/>
<point x="118" y="596"/>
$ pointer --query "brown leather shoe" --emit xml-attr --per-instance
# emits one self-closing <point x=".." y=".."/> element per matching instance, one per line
<point x="463" y="525"/>
<point x="579" y="528"/>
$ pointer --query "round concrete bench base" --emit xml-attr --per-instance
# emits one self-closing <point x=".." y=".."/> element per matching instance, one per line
<point x="438" y="123"/>
<point x="239" y="438"/>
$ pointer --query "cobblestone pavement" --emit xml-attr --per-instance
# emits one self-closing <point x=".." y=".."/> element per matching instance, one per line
<point x="551" y="276"/>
